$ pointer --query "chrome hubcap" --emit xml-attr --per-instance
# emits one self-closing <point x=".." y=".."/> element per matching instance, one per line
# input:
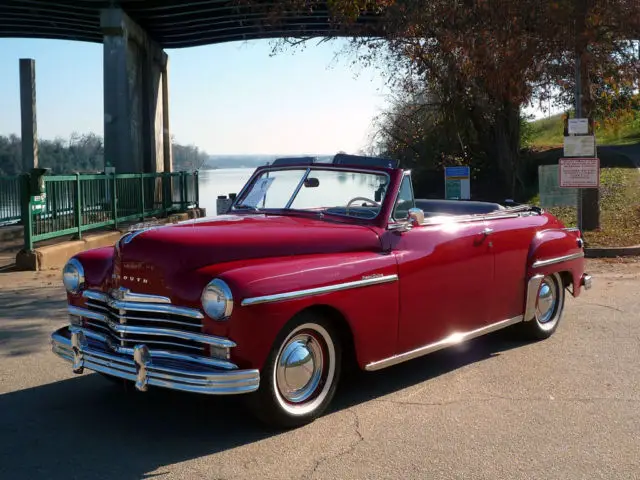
<point x="299" y="368"/>
<point x="547" y="298"/>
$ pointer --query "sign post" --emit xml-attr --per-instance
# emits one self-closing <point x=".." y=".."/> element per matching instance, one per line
<point x="457" y="183"/>
<point x="580" y="167"/>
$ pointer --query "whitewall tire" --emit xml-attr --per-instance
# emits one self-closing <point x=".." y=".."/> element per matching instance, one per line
<point x="301" y="373"/>
<point x="550" y="299"/>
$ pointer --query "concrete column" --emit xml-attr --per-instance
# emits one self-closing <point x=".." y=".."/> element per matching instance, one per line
<point x="135" y="111"/>
<point x="29" y="130"/>
<point x="166" y="130"/>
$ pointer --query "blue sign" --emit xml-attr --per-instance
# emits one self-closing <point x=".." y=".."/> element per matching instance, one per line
<point x="457" y="172"/>
<point x="457" y="183"/>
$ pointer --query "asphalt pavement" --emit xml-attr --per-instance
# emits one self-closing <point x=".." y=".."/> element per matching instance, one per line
<point x="494" y="408"/>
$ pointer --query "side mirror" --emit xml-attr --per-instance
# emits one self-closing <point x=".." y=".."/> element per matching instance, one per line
<point x="311" y="182"/>
<point x="415" y="216"/>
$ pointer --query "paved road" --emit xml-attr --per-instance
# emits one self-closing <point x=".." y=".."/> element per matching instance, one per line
<point x="564" y="408"/>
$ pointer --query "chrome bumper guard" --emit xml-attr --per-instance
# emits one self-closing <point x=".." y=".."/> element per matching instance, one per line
<point x="586" y="281"/>
<point x="86" y="349"/>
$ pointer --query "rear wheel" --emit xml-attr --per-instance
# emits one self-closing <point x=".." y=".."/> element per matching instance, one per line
<point x="300" y="375"/>
<point x="549" y="308"/>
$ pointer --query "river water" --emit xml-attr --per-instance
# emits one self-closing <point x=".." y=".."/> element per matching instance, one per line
<point x="221" y="181"/>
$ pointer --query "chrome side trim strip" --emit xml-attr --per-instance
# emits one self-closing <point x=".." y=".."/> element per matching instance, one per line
<point x="143" y="307"/>
<point x="551" y="261"/>
<point x="127" y="296"/>
<point x="128" y="329"/>
<point x="532" y="295"/>
<point x="451" y="340"/>
<point x="278" y="297"/>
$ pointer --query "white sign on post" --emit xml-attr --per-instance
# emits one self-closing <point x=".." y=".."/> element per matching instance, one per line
<point x="582" y="146"/>
<point x="579" y="172"/>
<point x="578" y="126"/>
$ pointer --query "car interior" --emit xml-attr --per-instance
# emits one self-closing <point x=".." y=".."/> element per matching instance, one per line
<point x="367" y="210"/>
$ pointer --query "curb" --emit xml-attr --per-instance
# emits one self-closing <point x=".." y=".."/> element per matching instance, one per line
<point x="611" y="252"/>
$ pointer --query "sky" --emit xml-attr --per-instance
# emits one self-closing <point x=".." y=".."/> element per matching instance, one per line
<point x="232" y="98"/>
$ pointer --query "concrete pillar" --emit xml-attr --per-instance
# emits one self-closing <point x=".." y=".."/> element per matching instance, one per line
<point x="29" y="129"/>
<point x="136" y="104"/>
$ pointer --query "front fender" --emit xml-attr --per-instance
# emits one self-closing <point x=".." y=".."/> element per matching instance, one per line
<point x="362" y="287"/>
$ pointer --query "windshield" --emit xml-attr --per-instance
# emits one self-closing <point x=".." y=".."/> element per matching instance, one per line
<point x="354" y="194"/>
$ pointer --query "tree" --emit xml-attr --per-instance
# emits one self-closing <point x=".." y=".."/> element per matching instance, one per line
<point x="82" y="153"/>
<point x="490" y="57"/>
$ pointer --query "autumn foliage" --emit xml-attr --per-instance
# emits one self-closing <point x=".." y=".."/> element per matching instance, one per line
<point x="481" y="61"/>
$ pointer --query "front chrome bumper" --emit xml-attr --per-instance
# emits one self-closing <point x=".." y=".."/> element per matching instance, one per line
<point x="85" y="349"/>
<point x="586" y="281"/>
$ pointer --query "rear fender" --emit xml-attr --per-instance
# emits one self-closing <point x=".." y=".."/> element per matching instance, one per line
<point x="557" y="250"/>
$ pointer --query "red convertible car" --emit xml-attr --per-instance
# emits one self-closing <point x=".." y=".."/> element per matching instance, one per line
<point x="313" y="265"/>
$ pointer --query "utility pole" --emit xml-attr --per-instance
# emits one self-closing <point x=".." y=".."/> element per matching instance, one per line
<point x="588" y="198"/>
<point x="578" y="114"/>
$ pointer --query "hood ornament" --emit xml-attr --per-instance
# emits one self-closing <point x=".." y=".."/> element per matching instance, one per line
<point x="132" y="233"/>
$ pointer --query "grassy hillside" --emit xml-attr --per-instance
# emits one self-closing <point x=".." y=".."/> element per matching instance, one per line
<point x="619" y="196"/>
<point x="549" y="132"/>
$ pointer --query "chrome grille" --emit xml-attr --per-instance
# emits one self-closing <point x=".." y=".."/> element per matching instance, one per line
<point x="128" y="319"/>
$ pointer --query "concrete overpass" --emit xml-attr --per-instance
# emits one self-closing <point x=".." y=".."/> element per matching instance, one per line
<point x="136" y="67"/>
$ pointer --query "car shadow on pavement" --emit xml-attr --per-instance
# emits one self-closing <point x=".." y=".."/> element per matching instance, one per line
<point x="359" y="386"/>
<point x="87" y="427"/>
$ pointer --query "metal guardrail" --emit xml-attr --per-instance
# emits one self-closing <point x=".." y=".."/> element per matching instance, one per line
<point x="10" y="200"/>
<point x="73" y="204"/>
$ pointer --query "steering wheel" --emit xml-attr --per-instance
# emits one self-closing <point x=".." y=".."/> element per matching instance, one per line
<point x="355" y="199"/>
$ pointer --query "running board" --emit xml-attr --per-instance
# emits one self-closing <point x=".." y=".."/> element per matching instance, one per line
<point x="453" y="339"/>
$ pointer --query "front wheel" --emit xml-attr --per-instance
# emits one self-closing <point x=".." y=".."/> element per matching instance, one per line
<point x="549" y="308"/>
<point x="300" y="375"/>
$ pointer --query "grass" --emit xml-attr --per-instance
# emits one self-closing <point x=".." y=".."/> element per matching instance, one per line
<point x="549" y="132"/>
<point x="619" y="202"/>
<point x="619" y="210"/>
<point x="619" y="180"/>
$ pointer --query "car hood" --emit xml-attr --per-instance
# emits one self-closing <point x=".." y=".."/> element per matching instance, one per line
<point x="160" y="251"/>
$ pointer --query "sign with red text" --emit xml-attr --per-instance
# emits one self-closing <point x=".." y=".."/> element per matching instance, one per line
<point x="579" y="172"/>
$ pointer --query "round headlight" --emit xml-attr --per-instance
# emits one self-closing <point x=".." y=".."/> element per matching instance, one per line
<point x="217" y="300"/>
<point x="73" y="276"/>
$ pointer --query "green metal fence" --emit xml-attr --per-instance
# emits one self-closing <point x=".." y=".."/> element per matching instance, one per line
<point x="73" y="204"/>
<point x="9" y="200"/>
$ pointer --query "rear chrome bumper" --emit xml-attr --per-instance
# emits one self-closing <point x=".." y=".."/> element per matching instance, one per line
<point x="85" y="349"/>
<point x="586" y="281"/>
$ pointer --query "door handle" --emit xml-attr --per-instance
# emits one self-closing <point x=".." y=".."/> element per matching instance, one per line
<point x="487" y="231"/>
